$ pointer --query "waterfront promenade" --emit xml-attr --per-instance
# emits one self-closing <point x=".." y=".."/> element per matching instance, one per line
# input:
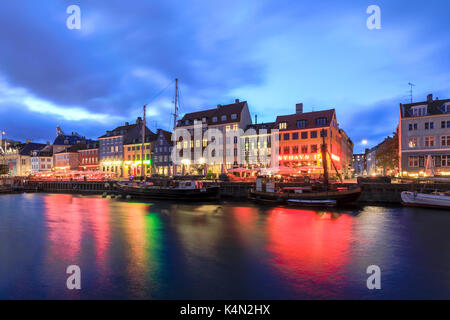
<point x="373" y="191"/>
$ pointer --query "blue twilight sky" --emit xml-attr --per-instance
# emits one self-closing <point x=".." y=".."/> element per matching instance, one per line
<point x="271" y="53"/>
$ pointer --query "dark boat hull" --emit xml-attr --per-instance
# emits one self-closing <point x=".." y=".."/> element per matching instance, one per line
<point x="341" y="197"/>
<point x="208" y="194"/>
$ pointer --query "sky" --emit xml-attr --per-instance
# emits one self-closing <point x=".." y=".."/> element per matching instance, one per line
<point x="273" y="54"/>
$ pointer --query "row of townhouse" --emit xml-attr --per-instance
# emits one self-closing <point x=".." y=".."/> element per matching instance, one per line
<point x="122" y="153"/>
<point x="118" y="153"/>
<point x="224" y="138"/>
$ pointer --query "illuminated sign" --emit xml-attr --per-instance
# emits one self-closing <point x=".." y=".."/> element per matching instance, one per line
<point x="300" y="157"/>
<point x="306" y="157"/>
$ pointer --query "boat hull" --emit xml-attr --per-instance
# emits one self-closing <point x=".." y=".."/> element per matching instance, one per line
<point x="207" y="194"/>
<point x="339" y="197"/>
<point x="412" y="199"/>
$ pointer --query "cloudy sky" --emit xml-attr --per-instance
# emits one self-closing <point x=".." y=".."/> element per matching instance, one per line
<point x="271" y="53"/>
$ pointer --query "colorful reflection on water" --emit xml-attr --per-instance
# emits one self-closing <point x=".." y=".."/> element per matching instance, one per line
<point x="165" y="250"/>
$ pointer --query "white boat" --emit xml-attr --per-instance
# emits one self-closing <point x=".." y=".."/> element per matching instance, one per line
<point x="435" y="200"/>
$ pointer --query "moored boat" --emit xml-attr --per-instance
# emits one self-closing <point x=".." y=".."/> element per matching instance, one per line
<point x="183" y="190"/>
<point x="434" y="200"/>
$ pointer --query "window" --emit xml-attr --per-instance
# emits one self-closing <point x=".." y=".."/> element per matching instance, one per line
<point x="205" y="142"/>
<point x="445" y="141"/>
<point x="321" y="122"/>
<point x="286" y="136"/>
<point x="429" y="125"/>
<point x="410" y="127"/>
<point x="419" y="111"/>
<point x="282" y="125"/>
<point x="295" y="136"/>
<point x="323" y="133"/>
<point x="413" y="162"/>
<point x="235" y="127"/>
<point x="415" y="126"/>
<point x="314" y="148"/>
<point x="286" y="150"/>
<point x="445" y="161"/>
<point x="214" y="119"/>
<point x="412" y="143"/>
<point x="234" y="116"/>
<point x="304" y="149"/>
<point x="197" y="143"/>
<point x="313" y="134"/>
<point x="304" y="135"/>
<point x="235" y="139"/>
<point x="223" y="118"/>
<point x="301" y="124"/>
<point x="295" y="149"/>
<point x="429" y="141"/>
<point x="442" y="124"/>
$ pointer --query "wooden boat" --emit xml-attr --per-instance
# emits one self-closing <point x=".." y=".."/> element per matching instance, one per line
<point x="434" y="200"/>
<point x="188" y="190"/>
<point x="307" y="197"/>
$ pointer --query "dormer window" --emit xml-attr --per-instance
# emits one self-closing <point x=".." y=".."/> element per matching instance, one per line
<point x="186" y="122"/>
<point x="301" y="124"/>
<point x="282" y="125"/>
<point x="419" y="111"/>
<point x="321" y="122"/>
<point x="214" y="119"/>
<point x="234" y="116"/>
<point x="223" y="118"/>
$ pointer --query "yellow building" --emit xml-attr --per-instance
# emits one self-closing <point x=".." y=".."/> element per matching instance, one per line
<point x="133" y="160"/>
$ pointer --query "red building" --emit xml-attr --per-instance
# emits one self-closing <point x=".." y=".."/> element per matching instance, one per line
<point x="301" y="136"/>
<point x="89" y="157"/>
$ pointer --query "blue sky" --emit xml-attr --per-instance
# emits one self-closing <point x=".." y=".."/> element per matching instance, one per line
<point x="273" y="54"/>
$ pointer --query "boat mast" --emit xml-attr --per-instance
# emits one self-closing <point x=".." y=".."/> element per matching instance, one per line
<point x="143" y="145"/>
<point x="175" y="115"/>
<point x="324" y="159"/>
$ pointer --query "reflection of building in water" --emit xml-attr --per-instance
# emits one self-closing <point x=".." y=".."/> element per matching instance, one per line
<point x="304" y="243"/>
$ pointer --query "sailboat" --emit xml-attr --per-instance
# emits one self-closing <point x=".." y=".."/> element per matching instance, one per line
<point x="180" y="190"/>
<point x="322" y="195"/>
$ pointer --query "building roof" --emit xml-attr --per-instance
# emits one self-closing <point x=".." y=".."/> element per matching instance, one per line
<point x="131" y="132"/>
<point x="434" y="107"/>
<point x="261" y="126"/>
<point x="310" y="117"/>
<point x="167" y="136"/>
<point x="219" y="111"/>
<point x="27" y="148"/>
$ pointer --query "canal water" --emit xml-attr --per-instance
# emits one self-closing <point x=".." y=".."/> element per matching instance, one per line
<point x="230" y="250"/>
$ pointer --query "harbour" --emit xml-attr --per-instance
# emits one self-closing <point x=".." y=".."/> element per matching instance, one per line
<point x="166" y="250"/>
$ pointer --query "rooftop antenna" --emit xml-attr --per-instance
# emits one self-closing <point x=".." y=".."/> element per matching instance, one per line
<point x="411" y="90"/>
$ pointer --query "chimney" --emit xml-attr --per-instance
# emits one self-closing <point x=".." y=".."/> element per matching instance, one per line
<point x="430" y="97"/>
<point x="219" y="105"/>
<point x="127" y="123"/>
<point x="299" y="108"/>
<point x="47" y="143"/>
<point x="139" y="119"/>
<point x="28" y="141"/>
<point x="256" y="119"/>
<point x="236" y="101"/>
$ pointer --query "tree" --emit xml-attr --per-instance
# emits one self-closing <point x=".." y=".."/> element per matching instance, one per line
<point x="386" y="156"/>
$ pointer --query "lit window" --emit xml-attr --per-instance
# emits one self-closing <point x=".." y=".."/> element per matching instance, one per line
<point x="412" y="143"/>
<point x="283" y="125"/>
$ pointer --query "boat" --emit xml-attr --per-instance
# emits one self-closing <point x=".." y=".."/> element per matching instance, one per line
<point x="306" y="196"/>
<point x="439" y="200"/>
<point x="322" y="194"/>
<point x="183" y="190"/>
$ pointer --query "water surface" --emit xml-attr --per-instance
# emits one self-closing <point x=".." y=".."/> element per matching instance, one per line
<point x="230" y="250"/>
